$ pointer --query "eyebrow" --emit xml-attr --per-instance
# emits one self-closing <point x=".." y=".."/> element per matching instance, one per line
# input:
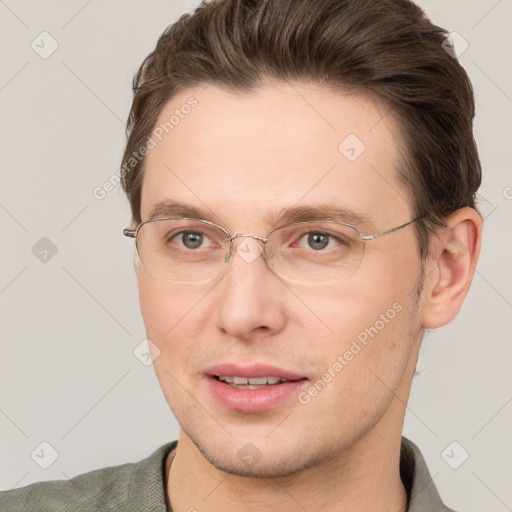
<point x="170" y="208"/>
<point x="304" y="213"/>
<point x="327" y="211"/>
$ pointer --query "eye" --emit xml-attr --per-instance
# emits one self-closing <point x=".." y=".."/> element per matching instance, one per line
<point x="320" y="240"/>
<point x="189" y="239"/>
<point x="192" y="240"/>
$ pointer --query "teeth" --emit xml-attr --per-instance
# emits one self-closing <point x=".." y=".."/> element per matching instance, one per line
<point x="252" y="381"/>
<point x="257" y="381"/>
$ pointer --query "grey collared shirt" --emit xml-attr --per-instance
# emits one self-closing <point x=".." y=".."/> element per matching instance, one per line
<point x="140" y="487"/>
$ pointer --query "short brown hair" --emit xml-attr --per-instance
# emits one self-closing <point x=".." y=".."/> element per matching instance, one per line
<point x="388" y="48"/>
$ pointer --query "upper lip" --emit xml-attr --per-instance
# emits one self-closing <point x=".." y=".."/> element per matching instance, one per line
<point x="253" y="370"/>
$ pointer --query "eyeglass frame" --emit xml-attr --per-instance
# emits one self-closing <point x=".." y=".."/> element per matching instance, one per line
<point x="132" y="233"/>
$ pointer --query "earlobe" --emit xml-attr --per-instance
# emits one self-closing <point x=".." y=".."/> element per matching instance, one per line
<point x="455" y="254"/>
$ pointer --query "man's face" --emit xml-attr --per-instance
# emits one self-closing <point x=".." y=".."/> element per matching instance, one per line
<point x="350" y="346"/>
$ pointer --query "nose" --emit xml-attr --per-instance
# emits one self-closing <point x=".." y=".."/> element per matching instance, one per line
<point x="250" y="296"/>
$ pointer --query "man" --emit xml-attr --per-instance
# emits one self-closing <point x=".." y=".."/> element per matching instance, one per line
<point x="302" y="179"/>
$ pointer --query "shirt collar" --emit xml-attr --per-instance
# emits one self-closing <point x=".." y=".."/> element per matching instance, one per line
<point x="421" y="490"/>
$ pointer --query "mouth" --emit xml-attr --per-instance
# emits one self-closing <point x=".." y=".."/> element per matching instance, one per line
<point x="252" y="389"/>
<point x="250" y="382"/>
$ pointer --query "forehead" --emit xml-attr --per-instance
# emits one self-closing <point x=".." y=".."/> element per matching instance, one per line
<point x="251" y="155"/>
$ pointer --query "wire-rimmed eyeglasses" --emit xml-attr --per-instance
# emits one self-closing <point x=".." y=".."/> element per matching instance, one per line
<point x="193" y="251"/>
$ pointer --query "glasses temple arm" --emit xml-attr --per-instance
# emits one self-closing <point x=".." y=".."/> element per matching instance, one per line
<point x="129" y="232"/>
<point x="392" y="230"/>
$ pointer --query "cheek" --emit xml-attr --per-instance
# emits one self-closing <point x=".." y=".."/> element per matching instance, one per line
<point x="172" y="316"/>
<point x="359" y="368"/>
<point x="368" y="323"/>
<point x="154" y="303"/>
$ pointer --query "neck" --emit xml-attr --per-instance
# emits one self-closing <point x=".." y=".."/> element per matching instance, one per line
<point x="354" y="481"/>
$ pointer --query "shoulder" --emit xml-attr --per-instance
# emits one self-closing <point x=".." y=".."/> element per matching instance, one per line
<point x="108" y="489"/>
<point x="106" y="486"/>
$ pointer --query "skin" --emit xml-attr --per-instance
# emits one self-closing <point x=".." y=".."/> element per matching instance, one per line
<point x="242" y="158"/>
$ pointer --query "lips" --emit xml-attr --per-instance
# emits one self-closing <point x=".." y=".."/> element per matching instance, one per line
<point x="252" y="389"/>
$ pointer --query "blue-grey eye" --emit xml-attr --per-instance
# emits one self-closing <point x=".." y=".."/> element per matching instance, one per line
<point x="318" y="241"/>
<point x="191" y="240"/>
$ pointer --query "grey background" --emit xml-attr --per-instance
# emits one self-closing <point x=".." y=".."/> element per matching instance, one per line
<point x="69" y="326"/>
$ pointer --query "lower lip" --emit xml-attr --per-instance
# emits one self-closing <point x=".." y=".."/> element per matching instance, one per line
<point x="253" y="400"/>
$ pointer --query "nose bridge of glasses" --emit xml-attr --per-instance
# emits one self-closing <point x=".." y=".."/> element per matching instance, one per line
<point x="231" y="239"/>
<point x="256" y="237"/>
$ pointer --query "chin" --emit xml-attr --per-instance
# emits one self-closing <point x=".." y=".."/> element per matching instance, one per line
<point x="261" y="459"/>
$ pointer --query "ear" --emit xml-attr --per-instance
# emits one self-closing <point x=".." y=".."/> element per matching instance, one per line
<point x="451" y="267"/>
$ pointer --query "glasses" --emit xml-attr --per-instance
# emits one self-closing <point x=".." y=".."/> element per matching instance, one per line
<point x="184" y="250"/>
